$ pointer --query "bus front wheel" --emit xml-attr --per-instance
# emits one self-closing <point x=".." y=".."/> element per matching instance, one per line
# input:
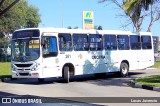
<point x="124" y="68"/>
<point x="66" y="74"/>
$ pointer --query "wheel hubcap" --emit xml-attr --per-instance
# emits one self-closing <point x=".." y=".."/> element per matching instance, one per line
<point x="124" y="69"/>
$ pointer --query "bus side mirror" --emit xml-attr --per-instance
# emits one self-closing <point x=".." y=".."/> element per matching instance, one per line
<point x="42" y="41"/>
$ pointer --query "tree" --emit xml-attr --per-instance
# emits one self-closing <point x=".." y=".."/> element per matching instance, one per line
<point x="95" y="26"/>
<point x="7" y="7"/>
<point x="138" y="10"/>
<point x="32" y="18"/>
<point x="20" y="16"/>
<point x="69" y="27"/>
<point x="98" y="27"/>
<point x="131" y="5"/>
<point x="76" y="27"/>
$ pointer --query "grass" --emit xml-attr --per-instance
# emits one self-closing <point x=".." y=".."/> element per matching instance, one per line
<point x="153" y="80"/>
<point x="5" y="69"/>
<point x="156" y="65"/>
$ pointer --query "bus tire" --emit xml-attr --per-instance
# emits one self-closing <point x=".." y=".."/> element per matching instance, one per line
<point x="124" y="68"/>
<point x="2" y="79"/>
<point x="66" y="74"/>
<point x="40" y="79"/>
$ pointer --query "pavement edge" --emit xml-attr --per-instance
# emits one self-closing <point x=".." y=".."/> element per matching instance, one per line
<point x="136" y="85"/>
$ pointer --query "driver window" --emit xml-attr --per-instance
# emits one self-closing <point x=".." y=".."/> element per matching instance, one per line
<point x="49" y="47"/>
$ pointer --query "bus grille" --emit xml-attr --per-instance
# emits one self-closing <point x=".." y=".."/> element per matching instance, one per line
<point x="24" y="74"/>
<point x="23" y="65"/>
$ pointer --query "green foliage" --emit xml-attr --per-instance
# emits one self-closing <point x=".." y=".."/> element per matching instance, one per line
<point x="20" y="15"/>
<point x="153" y="81"/>
<point x="157" y="64"/>
<point x="98" y="27"/>
<point x="1" y="35"/>
<point x="32" y="18"/>
<point x="69" y="27"/>
<point x="5" y="69"/>
<point x="137" y="11"/>
<point x="136" y="5"/>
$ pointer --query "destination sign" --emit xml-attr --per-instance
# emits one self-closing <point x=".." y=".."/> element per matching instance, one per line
<point x="25" y="34"/>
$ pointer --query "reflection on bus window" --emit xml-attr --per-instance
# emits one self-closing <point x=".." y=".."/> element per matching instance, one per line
<point x="135" y="42"/>
<point x="50" y="47"/>
<point x="95" y="42"/>
<point x="146" y="42"/>
<point x="25" y="49"/>
<point x="80" y="42"/>
<point x="65" y="42"/>
<point x="110" y="42"/>
<point x="123" y="42"/>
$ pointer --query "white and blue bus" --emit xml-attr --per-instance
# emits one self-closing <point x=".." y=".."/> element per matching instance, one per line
<point x="57" y="52"/>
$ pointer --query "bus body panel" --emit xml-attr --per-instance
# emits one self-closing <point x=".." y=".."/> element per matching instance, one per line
<point x="146" y="56"/>
<point x="112" y="61"/>
<point x="84" y="62"/>
<point x="133" y="62"/>
<point x="24" y="69"/>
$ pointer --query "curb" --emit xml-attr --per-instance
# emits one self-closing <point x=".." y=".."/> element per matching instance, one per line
<point x="136" y="85"/>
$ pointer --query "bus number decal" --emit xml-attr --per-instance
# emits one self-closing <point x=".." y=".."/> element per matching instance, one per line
<point x="98" y="57"/>
<point x="67" y="56"/>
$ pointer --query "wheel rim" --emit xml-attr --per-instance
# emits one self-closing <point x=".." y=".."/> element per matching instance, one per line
<point x="124" y="69"/>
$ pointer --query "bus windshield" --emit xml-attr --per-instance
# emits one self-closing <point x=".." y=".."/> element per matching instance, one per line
<point x="25" y="49"/>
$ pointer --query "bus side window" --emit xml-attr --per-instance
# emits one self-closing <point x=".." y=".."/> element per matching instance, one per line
<point x="135" y="42"/>
<point x="50" y="47"/>
<point x="65" y="42"/>
<point x="123" y="42"/>
<point x="95" y="42"/>
<point x="80" y="42"/>
<point x="110" y="42"/>
<point x="146" y="42"/>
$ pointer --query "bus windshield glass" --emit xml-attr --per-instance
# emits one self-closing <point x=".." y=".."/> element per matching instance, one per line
<point x="25" y="49"/>
<point x="25" y="46"/>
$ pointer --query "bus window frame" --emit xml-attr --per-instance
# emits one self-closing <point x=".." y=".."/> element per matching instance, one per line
<point x="104" y="42"/>
<point x="71" y="41"/>
<point x="101" y="41"/>
<point x="51" y="54"/>
<point x="140" y="43"/>
<point x="83" y="34"/>
<point x="144" y="43"/>
<point x="118" y="46"/>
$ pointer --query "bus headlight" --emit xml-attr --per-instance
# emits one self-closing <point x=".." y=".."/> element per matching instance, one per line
<point x="34" y="68"/>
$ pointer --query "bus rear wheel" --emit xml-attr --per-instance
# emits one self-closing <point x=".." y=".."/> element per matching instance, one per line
<point x="124" y="68"/>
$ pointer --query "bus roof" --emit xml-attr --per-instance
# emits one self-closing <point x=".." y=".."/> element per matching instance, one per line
<point x="65" y="30"/>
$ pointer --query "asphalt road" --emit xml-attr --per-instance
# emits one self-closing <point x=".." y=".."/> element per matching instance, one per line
<point x="82" y="86"/>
